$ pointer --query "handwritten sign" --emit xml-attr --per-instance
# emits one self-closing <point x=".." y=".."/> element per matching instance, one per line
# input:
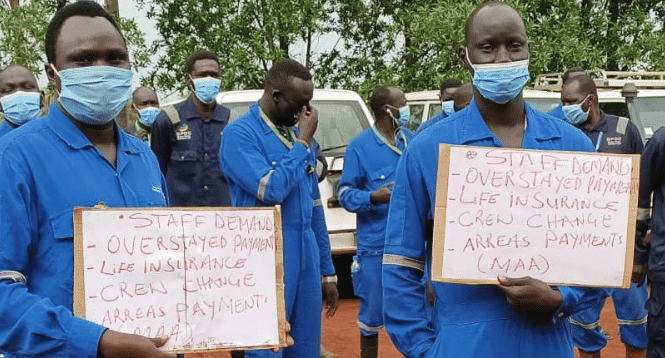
<point x="209" y="279"/>
<point x="561" y="217"/>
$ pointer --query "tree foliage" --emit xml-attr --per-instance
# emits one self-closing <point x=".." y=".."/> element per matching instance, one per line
<point x="247" y="35"/>
<point x="23" y="29"/>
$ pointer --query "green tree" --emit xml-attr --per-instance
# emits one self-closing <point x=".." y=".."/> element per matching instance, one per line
<point x="408" y="43"/>
<point x="23" y="28"/>
<point x="247" y="35"/>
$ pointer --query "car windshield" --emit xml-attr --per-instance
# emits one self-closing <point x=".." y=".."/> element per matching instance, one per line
<point x="543" y="104"/>
<point x="339" y="121"/>
<point x="652" y="113"/>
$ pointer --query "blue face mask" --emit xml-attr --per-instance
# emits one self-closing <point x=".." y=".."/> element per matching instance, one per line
<point x="500" y="82"/>
<point x="20" y="107"/>
<point x="206" y="89"/>
<point x="96" y="94"/>
<point x="574" y="113"/>
<point x="148" y="115"/>
<point x="448" y="107"/>
<point x="404" y="116"/>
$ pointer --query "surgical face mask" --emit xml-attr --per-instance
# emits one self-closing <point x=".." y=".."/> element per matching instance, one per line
<point x="404" y="116"/>
<point x="448" y="107"/>
<point x="148" y="115"/>
<point x="96" y="94"/>
<point x="500" y="82"/>
<point x="574" y="113"/>
<point x="20" y="107"/>
<point x="206" y="89"/>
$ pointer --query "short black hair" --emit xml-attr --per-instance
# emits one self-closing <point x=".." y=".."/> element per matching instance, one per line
<point x="80" y="8"/>
<point x="200" y="55"/>
<point x="450" y="83"/>
<point x="283" y="71"/>
<point x="379" y="98"/>
<point x="471" y="17"/>
<point x="586" y="83"/>
<point x="566" y="75"/>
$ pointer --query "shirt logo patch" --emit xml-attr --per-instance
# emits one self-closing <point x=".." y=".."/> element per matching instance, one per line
<point x="613" y="140"/>
<point x="157" y="189"/>
<point x="183" y="132"/>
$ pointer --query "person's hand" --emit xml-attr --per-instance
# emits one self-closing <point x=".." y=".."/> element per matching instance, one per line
<point x="330" y="297"/>
<point x="639" y="274"/>
<point x="116" y="344"/>
<point x="308" y="120"/>
<point x="529" y="294"/>
<point x="382" y="194"/>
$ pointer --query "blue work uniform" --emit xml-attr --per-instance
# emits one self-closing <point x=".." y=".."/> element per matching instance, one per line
<point x="187" y="154"/>
<point x="48" y="168"/>
<point x="557" y="112"/>
<point x="614" y="135"/>
<point x="266" y="168"/>
<point x="369" y="163"/>
<point x="471" y="320"/>
<point x="6" y="127"/>
<point x="432" y="121"/>
<point x="652" y="184"/>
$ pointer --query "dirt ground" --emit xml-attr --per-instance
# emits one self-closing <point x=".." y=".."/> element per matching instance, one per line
<point x="340" y="334"/>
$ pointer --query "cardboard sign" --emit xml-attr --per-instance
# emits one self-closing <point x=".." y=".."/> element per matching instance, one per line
<point x="564" y="218"/>
<point x="209" y="278"/>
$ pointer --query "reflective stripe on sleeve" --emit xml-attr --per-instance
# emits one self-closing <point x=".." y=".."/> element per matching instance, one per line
<point x="341" y="190"/>
<point x="389" y="259"/>
<point x="636" y="322"/>
<point x="368" y="328"/>
<point x="13" y="275"/>
<point x="643" y="214"/>
<point x="263" y="183"/>
<point x="317" y="202"/>
<point x="584" y="325"/>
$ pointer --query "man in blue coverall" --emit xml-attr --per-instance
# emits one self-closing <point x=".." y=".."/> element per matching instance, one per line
<point x="186" y="138"/>
<point x="20" y="99"/>
<point x="75" y="156"/>
<point x="521" y="317"/>
<point x="369" y="171"/>
<point x="269" y="162"/>
<point x="651" y="254"/>
<point x="610" y="134"/>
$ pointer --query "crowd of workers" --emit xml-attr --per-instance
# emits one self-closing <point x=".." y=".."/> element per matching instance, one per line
<point x="77" y="155"/>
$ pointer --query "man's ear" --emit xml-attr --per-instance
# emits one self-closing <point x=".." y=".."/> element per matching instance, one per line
<point x="275" y="94"/>
<point x="50" y="74"/>
<point x="461" y="57"/>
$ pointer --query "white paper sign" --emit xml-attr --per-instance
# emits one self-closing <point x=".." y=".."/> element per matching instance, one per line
<point x="207" y="278"/>
<point x="561" y="217"/>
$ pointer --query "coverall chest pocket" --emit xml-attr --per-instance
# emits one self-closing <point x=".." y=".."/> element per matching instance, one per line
<point x="182" y="162"/>
<point x="53" y="257"/>
<point x="381" y="177"/>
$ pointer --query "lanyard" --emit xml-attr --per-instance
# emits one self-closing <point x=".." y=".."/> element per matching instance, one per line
<point x="288" y="142"/>
<point x="600" y="138"/>
<point x="388" y="143"/>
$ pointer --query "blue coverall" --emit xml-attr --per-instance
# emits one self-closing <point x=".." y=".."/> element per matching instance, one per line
<point x="369" y="163"/>
<point x="263" y="171"/>
<point x="430" y="122"/>
<point x="6" y="127"/>
<point x="471" y="321"/>
<point x="48" y="167"/>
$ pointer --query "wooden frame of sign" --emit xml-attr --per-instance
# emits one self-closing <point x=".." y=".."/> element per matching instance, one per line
<point x="566" y="218"/>
<point x="206" y="290"/>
